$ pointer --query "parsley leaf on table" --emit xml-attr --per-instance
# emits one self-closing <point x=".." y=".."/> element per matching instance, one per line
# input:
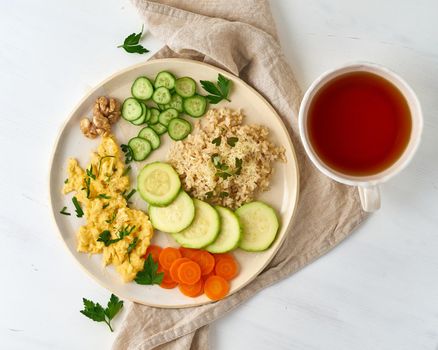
<point x="149" y="273"/>
<point x="131" y="43"/>
<point x="218" y="92"/>
<point x="97" y="313"/>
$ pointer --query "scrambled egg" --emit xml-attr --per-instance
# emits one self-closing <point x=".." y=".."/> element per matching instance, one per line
<point x="100" y="190"/>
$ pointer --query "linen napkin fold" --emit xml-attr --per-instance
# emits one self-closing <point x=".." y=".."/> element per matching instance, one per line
<point x="240" y="36"/>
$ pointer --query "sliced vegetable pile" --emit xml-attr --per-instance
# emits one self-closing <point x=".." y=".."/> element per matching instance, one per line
<point x="197" y="224"/>
<point x="171" y="98"/>
<point x="194" y="271"/>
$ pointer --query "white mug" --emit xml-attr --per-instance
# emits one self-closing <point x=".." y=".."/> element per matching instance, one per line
<point x="368" y="186"/>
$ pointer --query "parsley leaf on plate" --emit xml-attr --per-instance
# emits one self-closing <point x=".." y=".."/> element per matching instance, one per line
<point x="218" y="92"/>
<point x="97" y="313"/>
<point x="149" y="273"/>
<point x="131" y="43"/>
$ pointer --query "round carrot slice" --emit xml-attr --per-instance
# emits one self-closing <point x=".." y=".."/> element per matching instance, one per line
<point x="205" y="261"/>
<point x="187" y="252"/>
<point x="174" y="268"/>
<point x="168" y="285"/>
<point x="227" y="268"/>
<point x="216" y="288"/>
<point x="167" y="256"/>
<point x="155" y="250"/>
<point x="217" y="257"/>
<point x="192" y="290"/>
<point x="167" y="282"/>
<point x="189" y="272"/>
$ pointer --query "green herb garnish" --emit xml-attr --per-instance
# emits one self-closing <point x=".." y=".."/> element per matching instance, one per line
<point x="64" y="212"/>
<point x="104" y="196"/>
<point x="90" y="172"/>
<point x="111" y="220"/>
<point x="105" y="236"/>
<point x="130" y="194"/>
<point x="97" y="313"/>
<point x="87" y="187"/>
<point x="209" y="194"/>
<point x="232" y="141"/>
<point x="149" y="273"/>
<point x="131" y="247"/>
<point x="79" y="211"/>
<point x="217" y="141"/>
<point x="238" y="164"/>
<point x="224" y="194"/>
<point x="127" y="170"/>
<point x="131" y="43"/>
<point x="66" y="180"/>
<point x="129" y="155"/>
<point x="219" y="92"/>
<point x="106" y="205"/>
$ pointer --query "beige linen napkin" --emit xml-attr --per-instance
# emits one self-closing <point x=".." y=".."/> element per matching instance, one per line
<point x="240" y="36"/>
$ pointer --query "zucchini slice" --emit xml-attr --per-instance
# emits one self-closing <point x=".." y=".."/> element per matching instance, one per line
<point x="141" y="148"/>
<point x="259" y="226"/>
<point x="204" y="228"/>
<point x="185" y="87"/>
<point x="195" y="106"/>
<point x="165" y="79"/>
<point x="131" y="109"/>
<point x="176" y="216"/>
<point x="158" y="183"/>
<point x="142" y="88"/>
<point x="150" y="135"/>
<point x="230" y="233"/>
<point x="179" y="129"/>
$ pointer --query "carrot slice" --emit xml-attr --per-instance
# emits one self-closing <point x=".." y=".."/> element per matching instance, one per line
<point x="167" y="256"/>
<point x="155" y="250"/>
<point x="167" y="282"/>
<point x="189" y="272"/>
<point x="192" y="290"/>
<point x="217" y="257"/>
<point x="174" y="268"/>
<point x="205" y="261"/>
<point x="187" y="252"/>
<point x="227" y="268"/>
<point x="216" y="288"/>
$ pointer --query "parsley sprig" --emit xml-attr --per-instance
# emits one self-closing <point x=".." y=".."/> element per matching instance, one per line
<point x="131" y="43"/>
<point x="223" y="170"/>
<point x="149" y="273"/>
<point x="97" y="313"/>
<point x="218" y="92"/>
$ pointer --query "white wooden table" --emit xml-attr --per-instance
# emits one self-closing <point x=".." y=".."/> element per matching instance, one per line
<point x="377" y="290"/>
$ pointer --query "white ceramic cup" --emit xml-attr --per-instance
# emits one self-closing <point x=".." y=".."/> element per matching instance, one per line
<point x="368" y="186"/>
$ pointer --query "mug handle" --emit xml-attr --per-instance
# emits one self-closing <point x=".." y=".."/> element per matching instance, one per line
<point x="369" y="198"/>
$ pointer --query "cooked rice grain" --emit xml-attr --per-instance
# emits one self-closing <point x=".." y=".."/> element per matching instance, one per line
<point x="192" y="159"/>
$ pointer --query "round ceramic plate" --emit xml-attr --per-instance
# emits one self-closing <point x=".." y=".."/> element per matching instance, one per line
<point x="282" y="195"/>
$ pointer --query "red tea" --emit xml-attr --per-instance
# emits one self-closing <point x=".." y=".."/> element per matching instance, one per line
<point x="359" y="124"/>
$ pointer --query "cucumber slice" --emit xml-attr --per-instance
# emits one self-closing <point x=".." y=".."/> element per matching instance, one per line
<point x="179" y="129"/>
<point x="176" y="216"/>
<point x="158" y="183"/>
<point x="185" y="87"/>
<point x="142" y="88"/>
<point x="230" y="233"/>
<point x="142" y="118"/>
<point x="165" y="79"/>
<point x="150" y="135"/>
<point x="154" y="116"/>
<point x="141" y="148"/>
<point x="167" y="115"/>
<point x="131" y="109"/>
<point x="195" y="106"/>
<point x="259" y="226"/>
<point x="176" y="101"/>
<point x="160" y="129"/>
<point x="161" y="96"/>
<point x="204" y="228"/>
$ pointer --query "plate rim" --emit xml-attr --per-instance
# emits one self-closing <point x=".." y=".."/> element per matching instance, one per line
<point x="133" y="67"/>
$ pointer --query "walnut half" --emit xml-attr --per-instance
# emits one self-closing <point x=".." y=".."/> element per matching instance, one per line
<point x="106" y="111"/>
